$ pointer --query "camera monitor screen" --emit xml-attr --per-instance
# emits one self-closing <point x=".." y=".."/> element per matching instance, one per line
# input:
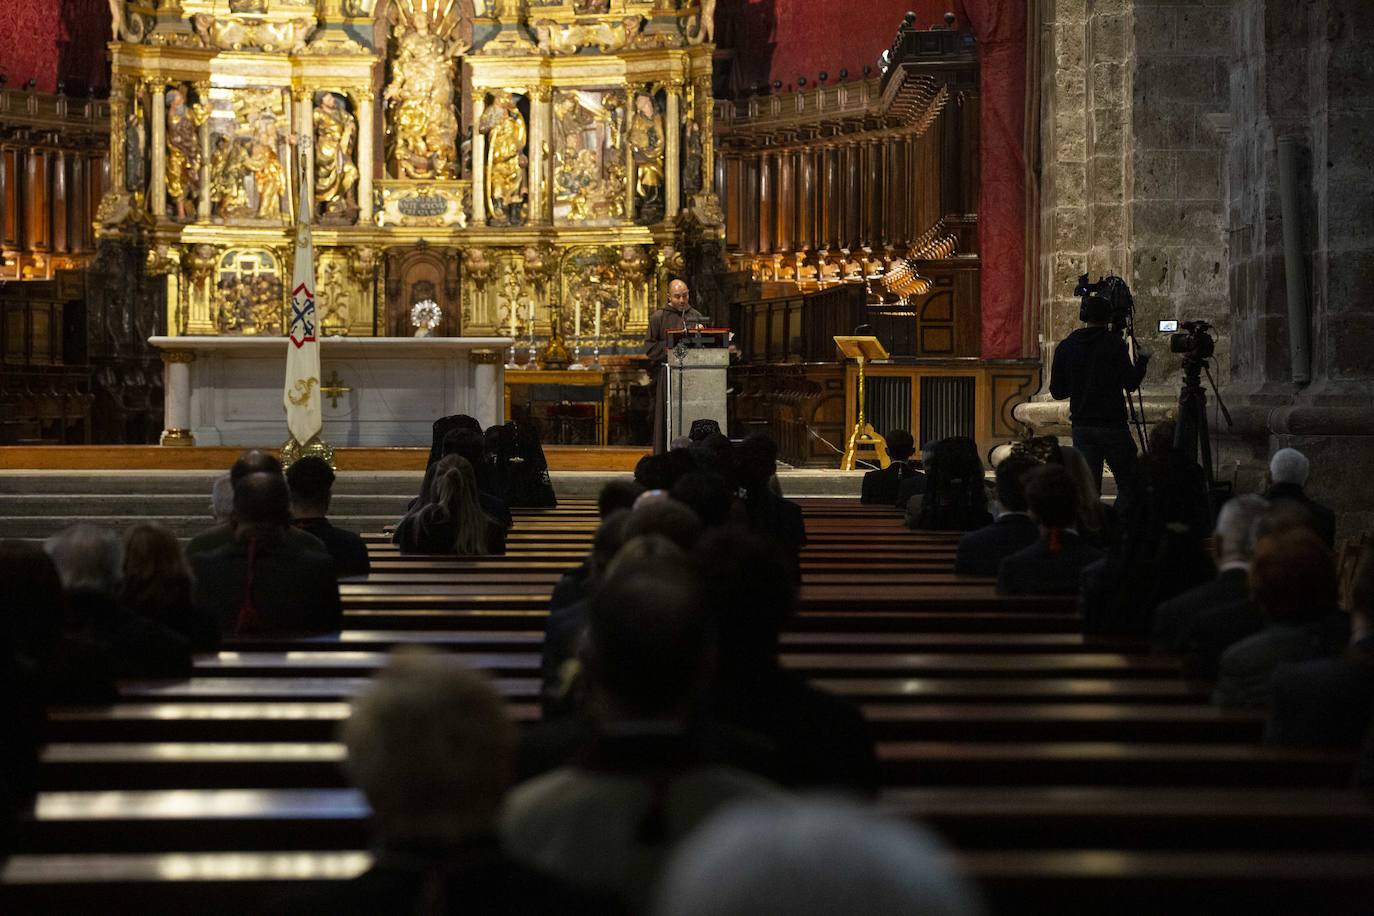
<point x="1168" y="325"/>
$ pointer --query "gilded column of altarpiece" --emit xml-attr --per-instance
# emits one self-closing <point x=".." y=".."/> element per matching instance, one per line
<point x="498" y="156"/>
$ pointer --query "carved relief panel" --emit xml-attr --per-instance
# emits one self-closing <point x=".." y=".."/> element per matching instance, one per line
<point x="589" y="162"/>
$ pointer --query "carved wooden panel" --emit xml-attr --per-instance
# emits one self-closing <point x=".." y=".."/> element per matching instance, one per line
<point x="417" y="273"/>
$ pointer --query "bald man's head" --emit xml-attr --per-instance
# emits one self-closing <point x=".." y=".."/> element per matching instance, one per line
<point x="677" y="296"/>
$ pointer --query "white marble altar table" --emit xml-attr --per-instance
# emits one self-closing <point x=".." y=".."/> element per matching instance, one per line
<point x="228" y="390"/>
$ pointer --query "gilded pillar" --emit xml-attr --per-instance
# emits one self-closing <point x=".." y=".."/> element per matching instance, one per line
<point x="479" y="161"/>
<point x="672" y="153"/>
<point x="629" y="155"/>
<point x="366" y="126"/>
<point x="119" y="90"/>
<point x="305" y="102"/>
<point x="157" y="185"/>
<point x="203" y="199"/>
<point x="541" y="129"/>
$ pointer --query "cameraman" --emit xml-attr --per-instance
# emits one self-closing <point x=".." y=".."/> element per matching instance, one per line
<point x="1093" y="369"/>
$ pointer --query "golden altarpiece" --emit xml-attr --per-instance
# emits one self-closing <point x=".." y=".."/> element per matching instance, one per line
<point x="495" y="157"/>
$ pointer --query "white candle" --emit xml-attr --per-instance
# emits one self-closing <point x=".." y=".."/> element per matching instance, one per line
<point x="513" y="311"/>
<point x="531" y="319"/>
<point x="598" y="322"/>
<point x="577" y="318"/>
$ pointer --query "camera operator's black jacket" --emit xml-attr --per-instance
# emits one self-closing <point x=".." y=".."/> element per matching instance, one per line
<point x="1092" y="368"/>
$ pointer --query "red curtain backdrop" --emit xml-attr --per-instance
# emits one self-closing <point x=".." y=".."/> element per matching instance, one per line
<point x="785" y="39"/>
<point x="81" y="46"/>
<point x="29" y="31"/>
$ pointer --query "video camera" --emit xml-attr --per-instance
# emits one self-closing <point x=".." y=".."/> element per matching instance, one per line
<point x="1109" y="300"/>
<point x="1193" y="341"/>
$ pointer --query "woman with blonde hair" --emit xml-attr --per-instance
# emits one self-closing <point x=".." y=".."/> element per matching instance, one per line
<point x="158" y="585"/>
<point x="454" y="522"/>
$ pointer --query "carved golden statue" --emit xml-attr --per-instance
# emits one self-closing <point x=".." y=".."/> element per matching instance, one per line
<point x="336" y="131"/>
<point x="269" y="177"/>
<point x="505" y="129"/>
<point x="420" y="93"/>
<point x="646" y="138"/>
<point x="228" y="170"/>
<point x="183" y="152"/>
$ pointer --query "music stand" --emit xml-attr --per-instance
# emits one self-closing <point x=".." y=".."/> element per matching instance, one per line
<point x="862" y="349"/>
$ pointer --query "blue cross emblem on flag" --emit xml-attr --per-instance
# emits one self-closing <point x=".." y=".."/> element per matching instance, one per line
<point x="302" y="316"/>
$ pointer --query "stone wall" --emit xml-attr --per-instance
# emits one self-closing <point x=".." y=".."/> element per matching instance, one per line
<point x="1305" y="74"/>
<point x="1159" y="149"/>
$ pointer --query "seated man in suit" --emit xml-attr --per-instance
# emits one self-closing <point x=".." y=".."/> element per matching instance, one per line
<point x="311" y="481"/>
<point x="882" y="486"/>
<point x="262" y="581"/>
<point x="610" y="821"/>
<point x="1288" y="471"/>
<point x="250" y="462"/>
<point x="982" y="551"/>
<point x="1293" y="583"/>
<point x="1329" y="702"/>
<point x="1234" y="545"/>
<point x="912" y="489"/>
<point x="798" y="735"/>
<point x="1054" y="563"/>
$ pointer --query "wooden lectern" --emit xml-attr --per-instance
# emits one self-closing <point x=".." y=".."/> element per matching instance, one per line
<point x="863" y="438"/>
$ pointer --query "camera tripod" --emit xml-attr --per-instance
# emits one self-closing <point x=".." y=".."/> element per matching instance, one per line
<point x="1191" y="435"/>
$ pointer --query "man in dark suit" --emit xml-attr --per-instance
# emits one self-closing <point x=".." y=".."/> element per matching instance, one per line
<point x="311" y="481"/>
<point x="1234" y="545"/>
<point x="981" y="552"/>
<point x="1289" y="469"/>
<point x="882" y="486"/>
<point x="1054" y="563"/>
<point x="261" y="581"/>
<point x="1328" y="702"/>
<point x="250" y="462"/>
<point x="768" y="514"/>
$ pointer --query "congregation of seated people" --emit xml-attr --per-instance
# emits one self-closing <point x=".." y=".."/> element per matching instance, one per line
<point x="1259" y="616"/>
<point x="674" y="765"/>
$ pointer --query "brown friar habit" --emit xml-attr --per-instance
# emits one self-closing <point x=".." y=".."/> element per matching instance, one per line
<point x="661" y="322"/>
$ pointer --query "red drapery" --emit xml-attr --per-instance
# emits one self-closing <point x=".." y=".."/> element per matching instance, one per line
<point x="784" y="39"/>
<point x="29" y="31"/>
<point x="55" y="40"/>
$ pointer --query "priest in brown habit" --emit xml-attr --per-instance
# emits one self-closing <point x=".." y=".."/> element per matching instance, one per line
<point x="671" y="317"/>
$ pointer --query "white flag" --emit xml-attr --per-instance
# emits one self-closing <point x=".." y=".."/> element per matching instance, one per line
<point x="302" y="395"/>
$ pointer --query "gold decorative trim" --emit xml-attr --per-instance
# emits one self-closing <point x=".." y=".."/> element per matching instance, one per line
<point x="484" y="357"/>
<point x="177" y="437"/>
<point x="178" y="356"/>
<point x="292" y="451"/>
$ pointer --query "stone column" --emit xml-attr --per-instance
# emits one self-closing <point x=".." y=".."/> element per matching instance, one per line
<point x="488" y="387"/>
<point x="479" y="161"/>
<point x="365" y="151"/>
<point x="176" y="404"/>
<point x="541" y="129"/>
<point x="672" y="153"/>
<point x="157" y="185"/>
<point x="306" y="106"/>
<point x="768" y="170"/>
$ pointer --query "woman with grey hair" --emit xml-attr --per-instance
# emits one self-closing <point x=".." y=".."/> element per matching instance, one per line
<point x="813" y="858"/>
<point x="90" y="563"/>
<point x="432" y="749"/>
